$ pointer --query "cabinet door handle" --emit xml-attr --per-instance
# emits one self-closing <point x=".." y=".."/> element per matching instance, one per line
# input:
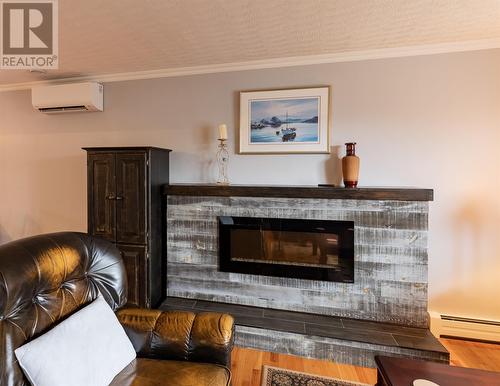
<point x="119" y="198"/>
<point x="110" y="197"/>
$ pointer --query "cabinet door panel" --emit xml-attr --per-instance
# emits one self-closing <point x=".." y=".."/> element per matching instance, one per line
<point x="134" y="257"/>
<point x="101" y="190"/>
<point x="131" y="198"/>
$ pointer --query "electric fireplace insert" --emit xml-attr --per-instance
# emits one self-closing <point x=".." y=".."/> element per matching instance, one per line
<point x="302" y="249"/>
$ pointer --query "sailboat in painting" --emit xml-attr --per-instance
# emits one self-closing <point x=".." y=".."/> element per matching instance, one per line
<point x="289" y="133"/>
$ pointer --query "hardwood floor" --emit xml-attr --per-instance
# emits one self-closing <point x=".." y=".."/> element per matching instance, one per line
<point x="476" y="355"/>
<point x="247" y="364"/>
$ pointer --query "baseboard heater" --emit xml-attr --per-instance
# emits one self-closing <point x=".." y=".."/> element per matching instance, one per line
<point x="459" y="327"/>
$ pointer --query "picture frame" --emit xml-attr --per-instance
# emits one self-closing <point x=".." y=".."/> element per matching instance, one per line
<point x="285" y="121"/>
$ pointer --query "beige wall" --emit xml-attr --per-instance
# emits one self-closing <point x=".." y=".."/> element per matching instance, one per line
<point x="428" y="121"/>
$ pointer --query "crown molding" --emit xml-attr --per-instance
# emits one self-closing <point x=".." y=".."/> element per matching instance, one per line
<point x="349" y="56"/>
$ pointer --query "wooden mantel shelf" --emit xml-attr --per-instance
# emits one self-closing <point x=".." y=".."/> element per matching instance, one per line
<point x="361" y="193"/>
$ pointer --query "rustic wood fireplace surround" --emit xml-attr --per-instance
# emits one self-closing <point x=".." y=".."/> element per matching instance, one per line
<point x="384" y="311"/>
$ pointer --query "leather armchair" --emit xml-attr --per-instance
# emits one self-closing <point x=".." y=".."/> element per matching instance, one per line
<point x="43" y="279"/>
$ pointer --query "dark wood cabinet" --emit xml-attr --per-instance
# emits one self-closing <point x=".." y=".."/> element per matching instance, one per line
<point x="131" y="192"/>
<point x="136" y="265"/>
<point x="101" y="187"/>
<point x="125" y="207"/>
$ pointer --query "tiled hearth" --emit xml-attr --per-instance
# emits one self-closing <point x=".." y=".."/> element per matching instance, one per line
<point x="419" y="342"/>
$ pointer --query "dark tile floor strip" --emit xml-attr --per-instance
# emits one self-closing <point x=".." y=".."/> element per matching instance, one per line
<point x="271" y="324"/>
<point x="319" y="325"/>
<point x="186" y="303"/>
<point x="372" y="337"/>
<point x="234" y="309"/>
<point x="331" y="321"/>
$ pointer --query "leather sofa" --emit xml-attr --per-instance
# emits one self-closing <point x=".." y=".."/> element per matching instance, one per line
<point x="43" y="279"/>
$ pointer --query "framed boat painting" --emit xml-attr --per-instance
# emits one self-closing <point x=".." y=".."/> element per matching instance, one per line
<point x="285" y="121"/>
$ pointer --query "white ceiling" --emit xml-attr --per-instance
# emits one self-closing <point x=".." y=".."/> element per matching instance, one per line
<point x="120" y="36"/>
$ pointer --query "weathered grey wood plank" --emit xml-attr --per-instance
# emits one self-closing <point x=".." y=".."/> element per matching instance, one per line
<point x="190" y="218"/>
<point x="368" y="305"/>
<point x="367" y="253"/>
<point x="367" y="274"/>
<point x="390" y="257"/>
<point x="304" y="203"/>
<point x="408" y="217"/>
<point x="362" y="236"/>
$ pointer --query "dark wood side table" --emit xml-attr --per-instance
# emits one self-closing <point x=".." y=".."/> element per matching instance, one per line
<point x="402" y="372"/>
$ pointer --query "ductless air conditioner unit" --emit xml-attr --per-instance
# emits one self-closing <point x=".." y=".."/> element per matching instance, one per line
<point x="72" y="97"/>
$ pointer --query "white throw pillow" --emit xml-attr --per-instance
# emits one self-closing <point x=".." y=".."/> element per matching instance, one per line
<point x="87" y="349"/>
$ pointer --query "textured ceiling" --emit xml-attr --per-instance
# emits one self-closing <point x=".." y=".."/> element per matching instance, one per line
<point x="115" y="36"/>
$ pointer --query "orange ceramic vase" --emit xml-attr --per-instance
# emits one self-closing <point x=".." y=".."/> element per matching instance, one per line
<point x="350" y="166"/>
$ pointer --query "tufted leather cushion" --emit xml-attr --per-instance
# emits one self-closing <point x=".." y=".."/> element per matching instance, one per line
<point x="45" y="278"/>
<point x="152" y="372"/>
<point x="180" y="335"/>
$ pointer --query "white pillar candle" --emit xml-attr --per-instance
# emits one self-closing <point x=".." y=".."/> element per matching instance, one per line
<point x="223" y="131"/>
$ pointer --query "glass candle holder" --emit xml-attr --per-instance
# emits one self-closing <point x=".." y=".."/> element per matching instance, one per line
<point x="222" y="162"/>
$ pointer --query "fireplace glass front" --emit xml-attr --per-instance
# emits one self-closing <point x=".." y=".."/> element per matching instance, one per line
<point x="305" y="249"/>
